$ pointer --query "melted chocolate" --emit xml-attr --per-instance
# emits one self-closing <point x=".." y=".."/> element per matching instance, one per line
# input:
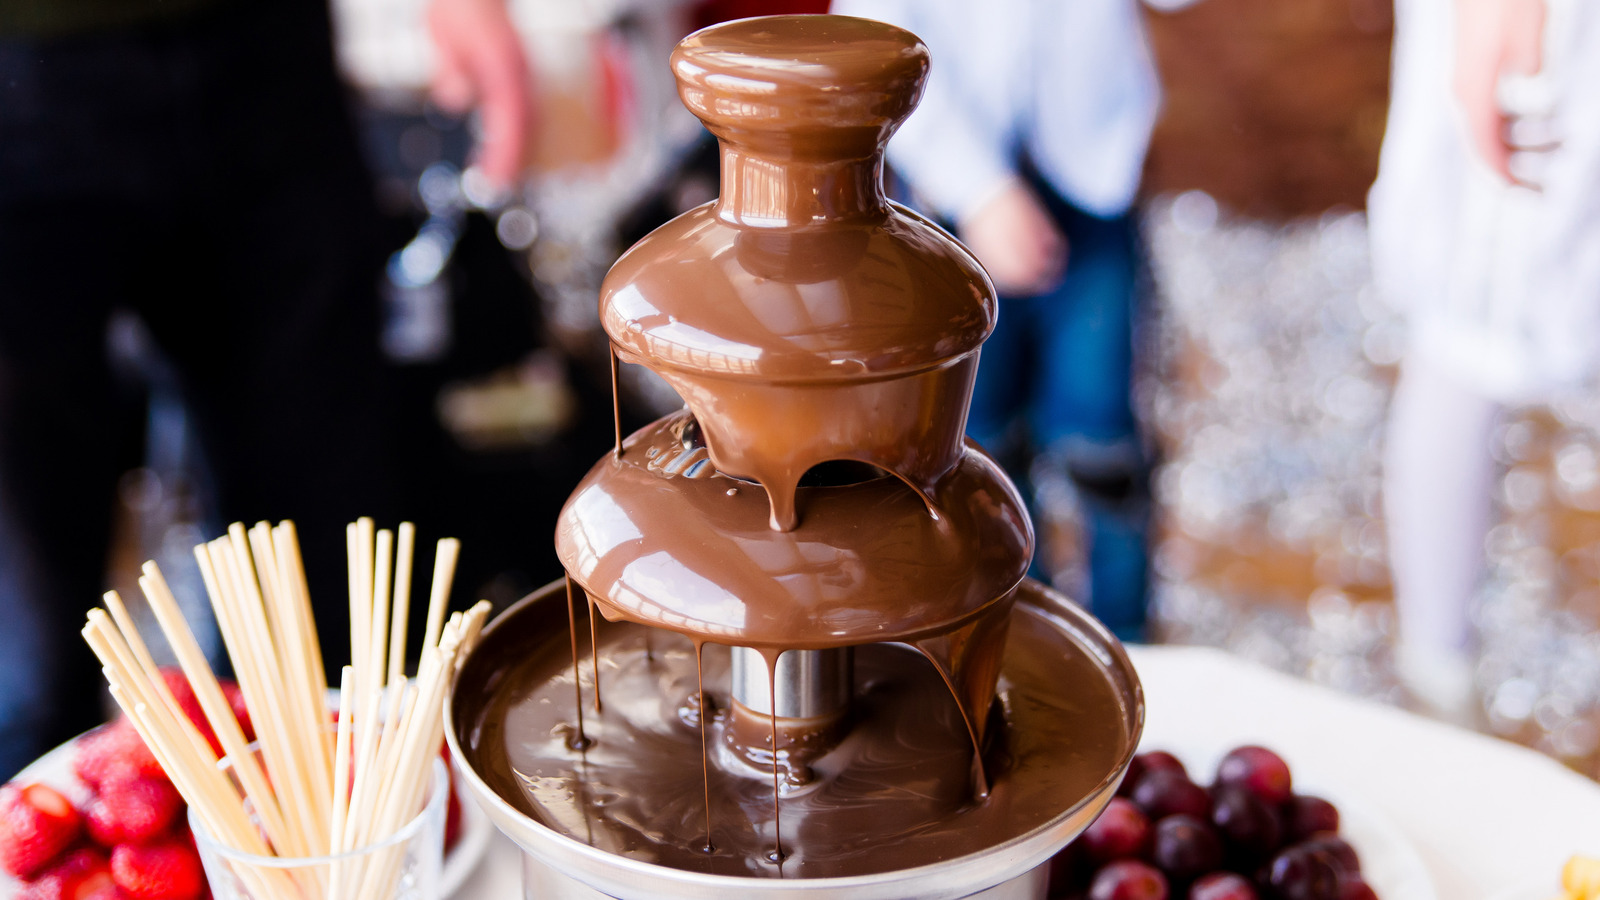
<point x="894" y="793"/>
<point x="660" y="537"/>
<point x="808" y="324"/>
<point x="801" y="316"/>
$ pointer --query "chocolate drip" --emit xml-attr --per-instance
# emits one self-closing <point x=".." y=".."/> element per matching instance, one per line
<point x="771" y="658"/>
<point x="594" y="654"/>
<point x="616" y="401"/>
<point x="968" y="661"/>
<point x="578" y="740"/>
<point x="703" y="712"/>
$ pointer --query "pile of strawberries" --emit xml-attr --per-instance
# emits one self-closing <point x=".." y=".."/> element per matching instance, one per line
<point x="129" y="840"/>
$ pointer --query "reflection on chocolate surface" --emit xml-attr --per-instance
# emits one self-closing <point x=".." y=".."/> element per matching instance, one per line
<point x="688" y="549"/>
<point x="894" y="793"/>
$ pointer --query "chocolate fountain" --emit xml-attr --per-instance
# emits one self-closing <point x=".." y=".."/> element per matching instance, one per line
<point x="818" y="667"/>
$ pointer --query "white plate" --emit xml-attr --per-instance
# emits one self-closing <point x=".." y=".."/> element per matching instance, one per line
<point x="55" y="769"/>
<point x="1389" y="861"/>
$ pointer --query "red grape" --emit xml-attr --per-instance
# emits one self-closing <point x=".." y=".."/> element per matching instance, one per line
<point x="1129" y="879"/>
<point x="1185" y="847"/>
<point x="1301" y="874"/>
<point x="1259" y="771"/>
<point x="1144" y="764"/>
<point x="1121" y="831"/>
<point x="1162" y="761"/>
<point x="1305" y="815"/>
<point x="1250" y="829"/>
<point x="1164" y="792"/>
<point x="1223" y="886"/>
<point x="1249" y="837"/>
<point x="1343" y="855"/>
<point x="1131" y="777"/>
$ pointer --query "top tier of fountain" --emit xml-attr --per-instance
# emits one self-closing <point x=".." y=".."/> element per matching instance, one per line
<point x="805" y="320"/>
<point x="800" y="315"/>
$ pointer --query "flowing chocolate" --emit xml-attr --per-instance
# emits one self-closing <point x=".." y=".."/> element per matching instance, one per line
<point x="802" y="316"/>
<point x="660" y="537"/>
<point x="894" y="793"/>
<point x="817" y="494"/>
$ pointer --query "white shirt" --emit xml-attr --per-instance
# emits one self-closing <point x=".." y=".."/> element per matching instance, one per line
<point x="1069" y="82"/>
<point x="1501" y="284"/>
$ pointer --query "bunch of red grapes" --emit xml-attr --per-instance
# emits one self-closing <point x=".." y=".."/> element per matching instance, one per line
<point x="1248" y="837"/>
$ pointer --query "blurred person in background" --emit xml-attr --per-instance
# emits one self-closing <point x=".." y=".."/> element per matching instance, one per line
<point x="1030" y="139"/>
<point x="191" y="161"/>
<point x="1485" y="228"/>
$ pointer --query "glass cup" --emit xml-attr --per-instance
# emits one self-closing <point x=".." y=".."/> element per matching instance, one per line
<point x="403" y="866"/>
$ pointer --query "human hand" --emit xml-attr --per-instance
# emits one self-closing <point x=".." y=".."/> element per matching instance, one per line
<point x="1017" y="241"/>
<point x="481" y="63"/>
<point x="1494" y="38"/>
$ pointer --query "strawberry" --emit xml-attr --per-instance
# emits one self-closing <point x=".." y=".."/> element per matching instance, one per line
<point x="114" y="752"/>
<point x="452" y="806"/>
<point x="452" y="822"/>
<point x="166" y="870"/>
<point x="83" y="874"/>
<point x="240" y="710"/>
<point x="36" y="824"/>
<point x="189" y="702"/>
<point x="178" y="684"/>
<point x="132" y="811"/>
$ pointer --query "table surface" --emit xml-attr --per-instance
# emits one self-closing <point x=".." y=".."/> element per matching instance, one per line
<point x="1486" y="816"/>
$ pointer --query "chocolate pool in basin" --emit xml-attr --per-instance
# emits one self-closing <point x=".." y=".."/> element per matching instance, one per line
<point x="796" y="651"/>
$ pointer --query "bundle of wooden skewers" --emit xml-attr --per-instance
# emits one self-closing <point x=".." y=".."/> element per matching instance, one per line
<point x="313" y="789"/>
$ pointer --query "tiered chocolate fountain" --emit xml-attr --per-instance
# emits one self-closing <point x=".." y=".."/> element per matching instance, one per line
<point x="821" y="670"/>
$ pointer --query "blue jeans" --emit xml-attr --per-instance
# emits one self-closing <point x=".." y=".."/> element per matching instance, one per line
<point x="1055" y="378"/>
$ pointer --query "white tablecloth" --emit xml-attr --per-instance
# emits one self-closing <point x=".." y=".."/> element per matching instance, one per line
<point x="1486" y="816"/>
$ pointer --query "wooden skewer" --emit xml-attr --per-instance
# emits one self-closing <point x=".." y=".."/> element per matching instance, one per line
<point x="367" y="779"/>
<point x="131" y="648"/>
<point x="307" y="719"/>
<point x="287" y="542"/>
<point x="427" y="715"/>
<point x="313" y="792"/>
<point x="476" y="617"/>
<point x="151" y="686"/>
<point x="444" y="571"/>
<point x="164" y="733"/>
<point x="341" y="780"/>
<point x="214" y="805"/>
<point x="360" y="553"/>
<point x="283" y="729"/>
<point x="130" y="631"/>
<point x="216" y="707"/>
<point x="400" y="613"/>
<point x="218" y="810"/>
<point x="382" y="581"/>
<point x="253" y="657"/>
<point x="415" y="761"/>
